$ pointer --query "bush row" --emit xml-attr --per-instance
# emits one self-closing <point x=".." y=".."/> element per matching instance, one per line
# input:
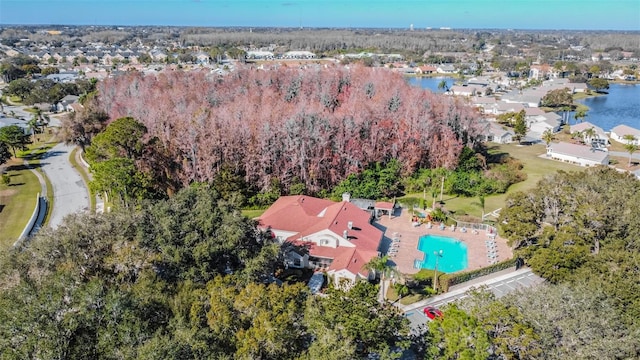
<point x="447" y="280"/>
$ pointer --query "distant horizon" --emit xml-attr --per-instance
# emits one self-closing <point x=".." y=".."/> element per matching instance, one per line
<point x="559" y="15"/>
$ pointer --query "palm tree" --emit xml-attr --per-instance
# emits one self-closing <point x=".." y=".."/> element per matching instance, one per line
<point x="442" y="85"/>
<point x="380" y="267"/>
<point x="589" y="134"/>
<point x="401" y="289"/>
<point x="547" y="136"/>
<point x="481" y="202"/>
<point x="630" y="146"/>
<point x="33" y="126"/>
<point x="580" y="115"/>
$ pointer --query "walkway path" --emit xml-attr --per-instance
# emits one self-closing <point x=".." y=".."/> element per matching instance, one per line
<point x="70" y="195"/>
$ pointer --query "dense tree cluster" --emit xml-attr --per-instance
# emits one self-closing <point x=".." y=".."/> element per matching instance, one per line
<point x="185" y="278"/>
<point x="311" y="126"/>
<point x="579" y="227"/>
<point x="46" y="90"/>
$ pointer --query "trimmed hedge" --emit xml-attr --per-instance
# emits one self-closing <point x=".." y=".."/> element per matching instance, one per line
<point x="447" y="280"/>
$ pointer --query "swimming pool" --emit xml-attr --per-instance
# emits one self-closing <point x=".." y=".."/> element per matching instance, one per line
<point x="454" y="253"/>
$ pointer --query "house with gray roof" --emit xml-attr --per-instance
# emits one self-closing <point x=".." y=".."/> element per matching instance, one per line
<point x="498" y="134"/>
<point x="577" y="154"/>
<point x="618" y="133"/>
<point x="446" y="69"/>
<point x="599" y="136"/>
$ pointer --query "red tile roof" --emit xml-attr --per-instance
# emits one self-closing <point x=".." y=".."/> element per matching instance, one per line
<point x="307" y="216"/>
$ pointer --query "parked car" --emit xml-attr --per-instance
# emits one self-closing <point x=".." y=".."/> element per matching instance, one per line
<point x="432" y="313"/>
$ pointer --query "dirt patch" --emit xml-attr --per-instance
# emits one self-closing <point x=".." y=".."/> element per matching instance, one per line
<point x="8" y="192"/>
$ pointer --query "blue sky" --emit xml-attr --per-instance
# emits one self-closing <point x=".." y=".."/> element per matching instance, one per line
<point x="503" y="14"/>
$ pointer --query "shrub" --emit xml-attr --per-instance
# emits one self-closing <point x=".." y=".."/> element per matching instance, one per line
<point x="447" y="280"/>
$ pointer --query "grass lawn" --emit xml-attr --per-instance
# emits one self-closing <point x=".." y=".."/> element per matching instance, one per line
<point x="253" y="213"/>
<point x="535" y="167"/>
<point x="17" y="201"/>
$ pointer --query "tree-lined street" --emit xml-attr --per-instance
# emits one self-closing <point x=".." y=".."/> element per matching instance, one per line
<point x="70" y="193"/>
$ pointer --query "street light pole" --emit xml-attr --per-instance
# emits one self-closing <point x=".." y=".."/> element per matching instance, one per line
<point x="438" y="254"/>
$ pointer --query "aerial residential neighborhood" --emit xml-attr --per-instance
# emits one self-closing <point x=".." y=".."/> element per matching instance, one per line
<point x="189" y="192"/>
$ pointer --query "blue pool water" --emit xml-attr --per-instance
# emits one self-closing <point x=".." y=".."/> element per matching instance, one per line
<point x="454" y="253"/>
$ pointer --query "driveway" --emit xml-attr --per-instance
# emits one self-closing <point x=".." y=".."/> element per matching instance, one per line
<point x="70" y="194"/>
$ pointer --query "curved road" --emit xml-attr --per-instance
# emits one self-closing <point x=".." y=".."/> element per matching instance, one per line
<point x="70" y="194"/>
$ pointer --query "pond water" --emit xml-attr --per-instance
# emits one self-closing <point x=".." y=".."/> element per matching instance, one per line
<point x="430" y="83"/>
<point x="620" y="106"/>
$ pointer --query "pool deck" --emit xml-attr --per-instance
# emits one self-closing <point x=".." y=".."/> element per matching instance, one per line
<point x="400" y="226"/>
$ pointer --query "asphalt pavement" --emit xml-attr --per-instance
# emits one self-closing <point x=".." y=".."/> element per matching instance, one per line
<point x="500" y="285"/>
<point x="70" y="194"/>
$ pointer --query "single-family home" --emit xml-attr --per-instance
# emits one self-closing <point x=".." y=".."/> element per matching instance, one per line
<point x="65" y="103"/>
<point x="540" y="71"/>
<point x="619" y="132"/>
<point x="425" y="70"/>
<point x="577" y="154"/>
<point x="547" y="121"/>
<point x="465" y="90"/>
<point x="5" y="121"/>
<point x="498" y="134"/>
<point x="446" y="69"/>
<point x="338" y="236"/>
<point x="595" y="136"/>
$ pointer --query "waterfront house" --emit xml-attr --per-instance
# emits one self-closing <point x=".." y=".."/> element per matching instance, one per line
<point x="446" y="69"/>
<point x="618" y="133"/>
<point x="425" y="70"/>
<point x="598" y="137"/>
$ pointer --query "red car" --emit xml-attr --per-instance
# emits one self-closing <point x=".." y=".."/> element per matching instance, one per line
<point x="432" y="312"/>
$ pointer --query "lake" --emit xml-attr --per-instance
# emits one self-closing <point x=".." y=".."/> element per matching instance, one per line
<point x="620" y="106"/>
<point x="430" y="83"/>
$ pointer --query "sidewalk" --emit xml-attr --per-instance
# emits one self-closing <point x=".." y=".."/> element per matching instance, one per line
<point x="458" y="291"/>
<point x="84" y="167"/>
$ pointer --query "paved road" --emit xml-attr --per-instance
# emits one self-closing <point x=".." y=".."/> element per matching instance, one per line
<point x="623" y="154"/>
<point x="70" y="194"/>
<point x="500" y="286"/>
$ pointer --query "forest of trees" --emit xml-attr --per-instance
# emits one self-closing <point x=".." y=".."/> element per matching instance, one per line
<point x="190" y="278"/>
<point x="294" y="128"/>
<point x="184" y="278"/>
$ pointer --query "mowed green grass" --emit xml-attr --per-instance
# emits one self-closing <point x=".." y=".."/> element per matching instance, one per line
<point x="536" y="168"/>
<point x="17" y="202"/>
<point x="252" y="214"/>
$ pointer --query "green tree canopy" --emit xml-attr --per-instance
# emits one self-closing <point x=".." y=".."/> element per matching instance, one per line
<point x="598" y="84"/>
<point x="13" y="136"/>
<point x="121" y="138"/>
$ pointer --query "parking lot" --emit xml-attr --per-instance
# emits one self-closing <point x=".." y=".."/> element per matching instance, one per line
<point x="500" y="286"/>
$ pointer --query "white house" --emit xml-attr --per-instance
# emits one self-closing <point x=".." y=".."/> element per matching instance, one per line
<point x="498" y="134"/>
<point x="577" y="154"/>
<point x="618" y="133"/>
<point x="599" y="137"/>
<point x="299" y="54"/>
<point x="446" y="69"/>
<point x="547" y="121"/>
<point x="465" y="90"/>
<point x="4" y="121"/>
<point x="257" y="54"/>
